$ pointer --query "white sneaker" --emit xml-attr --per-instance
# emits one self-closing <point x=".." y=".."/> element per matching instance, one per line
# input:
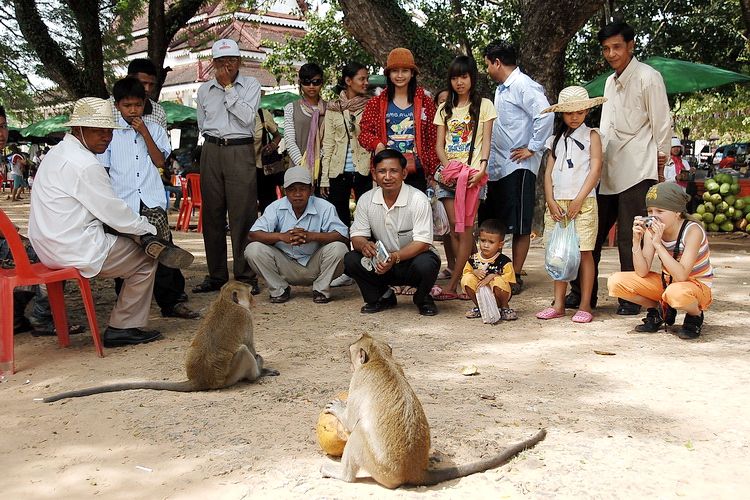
<point x="342" y="280"/>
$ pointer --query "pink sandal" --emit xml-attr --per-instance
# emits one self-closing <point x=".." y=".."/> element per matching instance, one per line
<point x="582" y="317"/>
<point x="549" y="313"/>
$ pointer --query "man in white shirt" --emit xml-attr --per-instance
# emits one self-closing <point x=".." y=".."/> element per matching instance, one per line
<point x="636" y="128"/>
<point x="400" y="217"/>
<point x="518" y="138"/>
<point x="227" y="105"/>
<point x="71" y="202"/>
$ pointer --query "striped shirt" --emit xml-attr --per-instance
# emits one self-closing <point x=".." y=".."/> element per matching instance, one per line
<point x="409" y="219"/>
<point x="702" y="269"/>
<point x="157" y="115"/>
<point x="134" y="176"/>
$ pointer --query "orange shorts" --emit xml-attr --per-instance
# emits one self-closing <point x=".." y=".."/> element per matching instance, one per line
<point x="679" y="295"/>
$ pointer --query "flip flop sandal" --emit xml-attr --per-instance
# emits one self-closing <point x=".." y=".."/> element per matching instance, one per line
<point x="445" y="296"/>
<point x="582" y="317"/>
<point x="549" y="313"/>
<point x="473" y="313"/>
<point x="397" y="290"/>
<point x="463" y="296"/>
<point x="408" y="290"/>
<point x="508" y="314"/>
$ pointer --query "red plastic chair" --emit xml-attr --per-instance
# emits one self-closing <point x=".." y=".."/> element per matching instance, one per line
<point x="185" y="206"/>
<point x="26" y="273"/>
<point x="191" y="202"/>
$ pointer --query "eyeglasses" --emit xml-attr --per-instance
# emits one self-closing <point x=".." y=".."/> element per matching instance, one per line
<point x="316" y="81"/>
<point x="352" y="123"/>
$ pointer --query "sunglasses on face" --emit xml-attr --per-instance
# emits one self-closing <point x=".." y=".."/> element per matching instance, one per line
<point x="315" y="81"/>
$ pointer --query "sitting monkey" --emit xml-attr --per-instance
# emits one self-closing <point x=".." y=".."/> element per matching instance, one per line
<point x="222" y="352"/>
<point x="390" y="436"/>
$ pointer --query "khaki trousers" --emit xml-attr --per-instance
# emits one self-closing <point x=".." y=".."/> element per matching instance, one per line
<point x="127" y="260"/>
<point x="279" y="271"/>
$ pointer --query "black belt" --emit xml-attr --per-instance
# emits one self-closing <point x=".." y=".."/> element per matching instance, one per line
<point x="228" y="142"/>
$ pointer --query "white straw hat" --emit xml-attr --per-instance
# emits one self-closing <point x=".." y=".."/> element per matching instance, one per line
<point x="573" y="99"/>
<point x="676" y="142"/>
<point x="92" y="112"/>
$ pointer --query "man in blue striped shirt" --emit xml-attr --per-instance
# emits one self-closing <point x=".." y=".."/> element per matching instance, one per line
<point x="133" y="158"/>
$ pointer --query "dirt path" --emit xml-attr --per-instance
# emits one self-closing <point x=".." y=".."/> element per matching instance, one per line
<point x="659" y="418"/>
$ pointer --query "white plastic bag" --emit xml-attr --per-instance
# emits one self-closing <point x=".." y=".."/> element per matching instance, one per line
<point x="487" y="305"/>
<point x="563" y="255"/>
<point x="440" y="224"/>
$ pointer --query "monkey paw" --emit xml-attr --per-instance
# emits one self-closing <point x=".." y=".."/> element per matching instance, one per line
<point x="336" y="408"/>
<point x="270" y="373"/>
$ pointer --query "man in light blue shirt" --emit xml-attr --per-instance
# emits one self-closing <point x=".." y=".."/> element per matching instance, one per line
<point x="299" y="240"/>
<point x="518" y="138"/>
<point x="133" y="159"/>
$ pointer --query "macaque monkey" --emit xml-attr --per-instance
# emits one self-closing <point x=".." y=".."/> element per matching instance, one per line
<point x="222" y="352"/>
<point x="390" y="436"/>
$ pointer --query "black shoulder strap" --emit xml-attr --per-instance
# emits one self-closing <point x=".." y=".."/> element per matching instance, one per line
<point x="473" y="138"/>
<point x="675" y="253"/>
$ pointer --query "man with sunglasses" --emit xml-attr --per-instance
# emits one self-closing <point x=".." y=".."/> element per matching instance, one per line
<point x="227" y="106"/>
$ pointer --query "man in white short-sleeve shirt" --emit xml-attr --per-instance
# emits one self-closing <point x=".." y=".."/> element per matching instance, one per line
<point x="400" y="217"/>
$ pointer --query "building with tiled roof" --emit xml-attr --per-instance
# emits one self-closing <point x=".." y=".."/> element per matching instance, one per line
<point x="189" y="54"/>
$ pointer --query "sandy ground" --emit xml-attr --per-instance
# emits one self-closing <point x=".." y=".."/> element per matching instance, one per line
<point x="660" y="418"/>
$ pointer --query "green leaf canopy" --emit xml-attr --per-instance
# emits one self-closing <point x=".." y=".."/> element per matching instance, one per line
<point x="679" y="76"/>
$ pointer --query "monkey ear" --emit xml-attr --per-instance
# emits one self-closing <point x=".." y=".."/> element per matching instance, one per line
<point x="362" y="357"/>
<point x="235" y="299"/>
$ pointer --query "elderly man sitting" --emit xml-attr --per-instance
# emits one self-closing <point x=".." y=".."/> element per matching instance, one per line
<point x="71" y="202"/>
<point x="299" y="240"/>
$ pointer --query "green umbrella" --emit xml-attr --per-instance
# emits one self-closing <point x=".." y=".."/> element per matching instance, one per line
<point x="177" y="113"/>
<point x="45" y="127"/>
<point x="679" y="76"/>
<point x="278" y="100"/>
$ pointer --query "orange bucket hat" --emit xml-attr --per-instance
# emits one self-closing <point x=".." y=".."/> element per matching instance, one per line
<point x="400" y="58"/>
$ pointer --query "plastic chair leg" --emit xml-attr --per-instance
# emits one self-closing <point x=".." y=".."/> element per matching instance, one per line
<point x="59" y="314"/>
<point x="88" y="303"/>
<point x="6" y="330"/>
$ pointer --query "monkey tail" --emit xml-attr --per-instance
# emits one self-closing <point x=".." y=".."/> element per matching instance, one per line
<point x="185" y="386"/>
<point x="436" y="476"/>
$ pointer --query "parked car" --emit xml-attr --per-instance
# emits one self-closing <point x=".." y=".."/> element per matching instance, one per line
<point x="741" y="148"/>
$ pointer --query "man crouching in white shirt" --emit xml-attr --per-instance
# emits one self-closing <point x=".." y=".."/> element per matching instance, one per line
<point x="71" y="202"/>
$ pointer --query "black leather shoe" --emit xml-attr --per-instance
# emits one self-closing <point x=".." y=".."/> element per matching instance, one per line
<point x="118" y="337"/>
<point x="572" y="301"/>
<point x="691" y="327"/>
<point x="388" y="301"/>
<point x="652" y="322"/>
<point x="319" y="298"/>
<point x="180" y="310"/>
<point x="428" y="307"/>
<point x="254" y="288"/>
<point x="286" y="295"/>
<point x="207" y="286"/>
<point x="628" y="309"/>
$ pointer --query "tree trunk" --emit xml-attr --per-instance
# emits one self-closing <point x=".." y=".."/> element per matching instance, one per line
<point x="163" y="27"/>
<point x="382" y="25"/>
<point x="542" y="55"/>
<point x="78" y="80"/>
<point x="745" y="6"/>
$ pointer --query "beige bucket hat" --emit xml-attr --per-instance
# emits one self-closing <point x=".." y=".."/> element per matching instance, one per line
<point x="573" y="99"/>
<point x="92" y="112"/>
